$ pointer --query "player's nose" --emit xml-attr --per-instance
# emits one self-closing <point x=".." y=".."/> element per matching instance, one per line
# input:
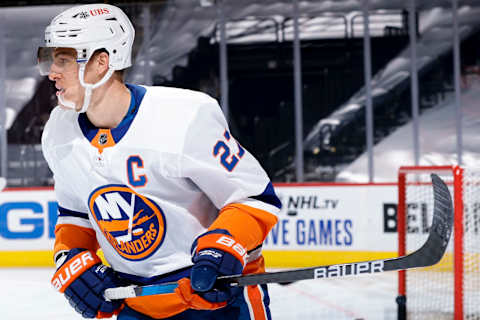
<point x="55" y="72"/>
<point x="52" y="75"/>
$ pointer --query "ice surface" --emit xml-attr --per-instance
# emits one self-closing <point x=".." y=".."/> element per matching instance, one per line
<point x="27" y="295"/>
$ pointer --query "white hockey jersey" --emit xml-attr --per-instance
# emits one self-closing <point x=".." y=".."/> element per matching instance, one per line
<point x="151" y="185"/>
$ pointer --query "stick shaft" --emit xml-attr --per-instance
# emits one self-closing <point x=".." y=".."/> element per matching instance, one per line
<point x="429" y="254"/>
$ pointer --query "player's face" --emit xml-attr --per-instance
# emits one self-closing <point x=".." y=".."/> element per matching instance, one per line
<point x="64" y="72"/>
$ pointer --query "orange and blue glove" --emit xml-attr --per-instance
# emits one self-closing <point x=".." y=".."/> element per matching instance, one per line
<point x="83" y="278"/>
<point x="216" y="253"/>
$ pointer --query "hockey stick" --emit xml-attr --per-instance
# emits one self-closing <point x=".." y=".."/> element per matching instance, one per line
<point x="429" y="254"/>
<point x="3" y="183"/>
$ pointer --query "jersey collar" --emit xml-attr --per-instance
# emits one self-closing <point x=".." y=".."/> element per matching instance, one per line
<point x="104" y="138"/>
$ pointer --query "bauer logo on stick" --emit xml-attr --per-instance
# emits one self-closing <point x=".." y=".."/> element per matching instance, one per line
<point x="349" y="269"/>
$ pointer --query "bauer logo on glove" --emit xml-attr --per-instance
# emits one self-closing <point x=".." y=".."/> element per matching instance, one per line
<point x="77" y="265"/>
<point x="82" y="278"/>
<point x="237" y="247"/>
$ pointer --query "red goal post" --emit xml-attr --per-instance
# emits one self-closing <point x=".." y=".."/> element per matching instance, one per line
<point x="450" y="289"/>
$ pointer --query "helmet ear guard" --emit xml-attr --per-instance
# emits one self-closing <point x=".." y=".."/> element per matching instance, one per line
<point x="89" y="87"/>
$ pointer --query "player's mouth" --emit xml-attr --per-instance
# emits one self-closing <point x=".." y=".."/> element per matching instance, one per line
<point x="60" y="91"/>
<point x="62" y="100"/>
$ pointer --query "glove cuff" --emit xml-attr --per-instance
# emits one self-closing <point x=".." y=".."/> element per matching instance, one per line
<point x="73" y="268"/>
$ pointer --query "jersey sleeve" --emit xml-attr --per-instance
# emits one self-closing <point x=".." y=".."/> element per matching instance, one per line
<point x="230" y="176"/>
<point x="73" y="228"/>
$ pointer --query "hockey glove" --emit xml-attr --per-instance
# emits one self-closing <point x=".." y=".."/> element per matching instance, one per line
<point x="83" y="278"/>
<point x="216" y="253"/>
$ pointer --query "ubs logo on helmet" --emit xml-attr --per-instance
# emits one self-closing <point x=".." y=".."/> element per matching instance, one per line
<point x="133" y="224"/>
<point x="99" y="11"/>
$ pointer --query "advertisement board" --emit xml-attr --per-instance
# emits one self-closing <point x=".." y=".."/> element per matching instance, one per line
<point x="333" y="223"/>
<point x="318" y="224"/>
<point x="27" y="225"/>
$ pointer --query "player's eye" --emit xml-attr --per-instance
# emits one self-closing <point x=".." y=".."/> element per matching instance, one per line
<point x="62" y="61"/>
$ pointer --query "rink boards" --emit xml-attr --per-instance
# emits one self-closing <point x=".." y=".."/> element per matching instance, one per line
<point x="318" y="224"/>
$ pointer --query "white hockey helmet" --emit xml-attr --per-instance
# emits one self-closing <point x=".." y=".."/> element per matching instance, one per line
<point x="88" y="28"/>
<point x="91" y="27"/>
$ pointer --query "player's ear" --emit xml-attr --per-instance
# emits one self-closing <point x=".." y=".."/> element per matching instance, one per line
<point x="98" y="63"/>
<point x="101" y="62"/>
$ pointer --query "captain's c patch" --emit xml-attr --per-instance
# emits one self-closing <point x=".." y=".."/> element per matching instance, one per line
<point x="133" y="224"/>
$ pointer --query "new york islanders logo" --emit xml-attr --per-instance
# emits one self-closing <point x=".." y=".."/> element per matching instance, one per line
<point x="133" y="224"/>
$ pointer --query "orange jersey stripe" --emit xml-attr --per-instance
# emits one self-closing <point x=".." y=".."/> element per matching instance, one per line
<point x="158" y="306"/>
<point x="69" y="236"/>
<point x="249" y="226"/>
<point x="256" y="266"/>
<point x="254" y="298"/>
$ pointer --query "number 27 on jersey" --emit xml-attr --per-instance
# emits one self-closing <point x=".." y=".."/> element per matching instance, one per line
<point x="225" y="149"/>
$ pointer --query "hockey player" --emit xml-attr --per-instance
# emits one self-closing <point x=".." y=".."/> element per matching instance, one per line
<point x="153" y="177"/>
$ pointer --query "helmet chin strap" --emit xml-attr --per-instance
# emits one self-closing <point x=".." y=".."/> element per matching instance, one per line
<point x="65" y="103"/>
<point x="89" y="86"/>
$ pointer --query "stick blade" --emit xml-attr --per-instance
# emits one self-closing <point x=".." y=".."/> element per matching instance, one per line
<point x="442" y="223"/>
<point x="434" y="248"/>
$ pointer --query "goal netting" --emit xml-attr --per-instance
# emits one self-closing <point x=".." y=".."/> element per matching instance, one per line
<point x="450" y="289"/>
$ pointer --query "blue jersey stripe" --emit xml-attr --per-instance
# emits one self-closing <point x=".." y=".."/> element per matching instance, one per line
<point x="269" y="196"/>
<point x="63" y="212"/>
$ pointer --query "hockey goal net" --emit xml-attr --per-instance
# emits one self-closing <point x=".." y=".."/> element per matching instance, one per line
<point x="451" y="288"/>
